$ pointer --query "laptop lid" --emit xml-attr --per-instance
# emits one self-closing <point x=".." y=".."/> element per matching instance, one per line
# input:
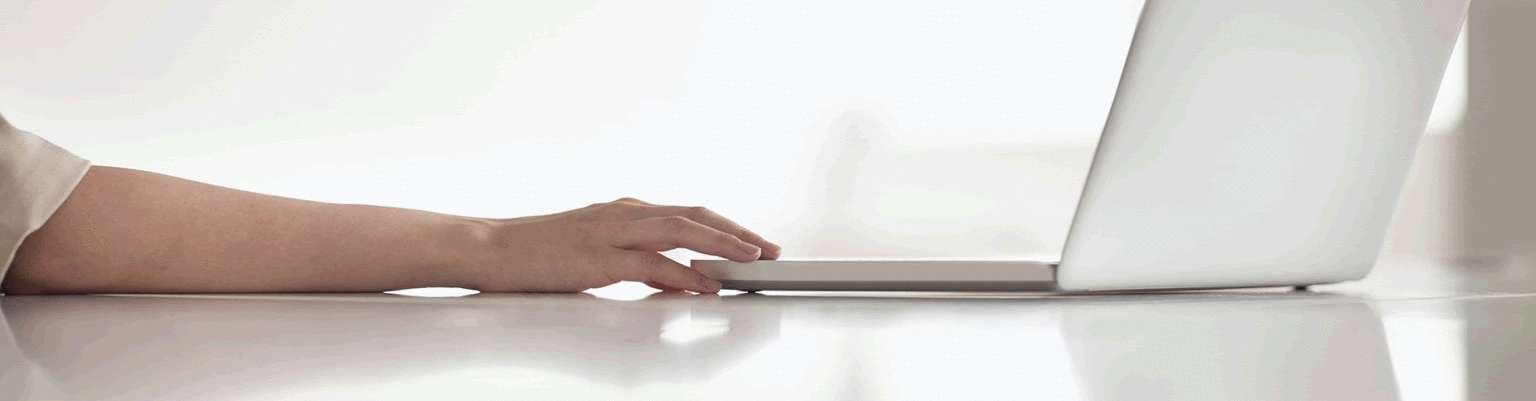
<point x="1258" y="143"/>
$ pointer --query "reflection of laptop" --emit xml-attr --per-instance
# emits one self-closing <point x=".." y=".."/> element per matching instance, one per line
<point x="1276" y="347"/>
<point x="1251" y="143"/>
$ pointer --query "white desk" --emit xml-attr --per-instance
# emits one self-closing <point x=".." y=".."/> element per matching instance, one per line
<point x="1410" y="331"/>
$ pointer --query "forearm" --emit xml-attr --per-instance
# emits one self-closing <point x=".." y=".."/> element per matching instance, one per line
<point x="128" y="231"/>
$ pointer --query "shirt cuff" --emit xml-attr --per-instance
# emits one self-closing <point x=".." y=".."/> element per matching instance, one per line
<point x="35" y="178"/>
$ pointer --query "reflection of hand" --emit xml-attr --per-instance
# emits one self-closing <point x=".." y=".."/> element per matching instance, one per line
<point x="609" y="242"/>
<point x="694" y="299"/>
<point x="276" y="346"/>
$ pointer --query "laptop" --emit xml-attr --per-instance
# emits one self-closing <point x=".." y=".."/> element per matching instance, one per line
<point x="1251" y="143"/>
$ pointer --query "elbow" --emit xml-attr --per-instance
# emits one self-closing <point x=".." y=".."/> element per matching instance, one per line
<point x="40" y="269"/>
<point x="23" y="279"/>
<point x="22" y="284"/>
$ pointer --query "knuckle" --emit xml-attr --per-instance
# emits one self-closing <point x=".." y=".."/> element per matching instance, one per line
<point x="619" y="206"/>
<point x="726" y="240"/>
<point x="627" y="200"/>
<point x="651" y="265"/>
<point x="655" y="261"/>
<point x="598" y="280"/>
<point x="697" y="212"/>
<point x="611" y="208"/>
<point x="675" y="224"/>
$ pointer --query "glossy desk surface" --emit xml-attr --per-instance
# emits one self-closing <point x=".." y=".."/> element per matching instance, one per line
<point x="1412" y="330"/>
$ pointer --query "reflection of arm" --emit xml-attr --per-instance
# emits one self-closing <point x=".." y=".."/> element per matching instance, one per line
<point x="277" y="347"/>
<point x="132" y="231"/>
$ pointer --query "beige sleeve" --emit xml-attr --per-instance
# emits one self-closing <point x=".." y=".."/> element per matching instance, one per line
<point x="35" y="177"/>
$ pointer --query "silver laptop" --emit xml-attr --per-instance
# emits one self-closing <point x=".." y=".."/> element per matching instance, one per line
<point x="1251" y="143"/>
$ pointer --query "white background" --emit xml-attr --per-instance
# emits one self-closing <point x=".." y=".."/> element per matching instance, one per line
<point x="851" y="128"/>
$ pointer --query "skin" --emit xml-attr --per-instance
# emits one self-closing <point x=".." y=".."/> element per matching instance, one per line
<point x="130" y="231"/>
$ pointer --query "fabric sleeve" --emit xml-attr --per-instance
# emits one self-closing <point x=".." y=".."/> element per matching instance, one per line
<point x="35" y="177"/>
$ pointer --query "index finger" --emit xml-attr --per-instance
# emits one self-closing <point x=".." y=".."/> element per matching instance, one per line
<point x="659" y="234"/>
<point x="716" y="221"/>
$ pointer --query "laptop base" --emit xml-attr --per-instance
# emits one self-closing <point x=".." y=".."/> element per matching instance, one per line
<point x="881" y="275"/>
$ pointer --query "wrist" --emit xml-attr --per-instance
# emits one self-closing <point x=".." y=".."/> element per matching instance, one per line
<point x="470" y="250"/>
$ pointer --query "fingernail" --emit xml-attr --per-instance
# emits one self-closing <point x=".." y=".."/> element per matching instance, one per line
<point x="750" y="249"/>
<point x="711" y="285"/>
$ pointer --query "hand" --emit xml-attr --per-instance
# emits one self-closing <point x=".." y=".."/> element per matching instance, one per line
<point x="610" y="242"/>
